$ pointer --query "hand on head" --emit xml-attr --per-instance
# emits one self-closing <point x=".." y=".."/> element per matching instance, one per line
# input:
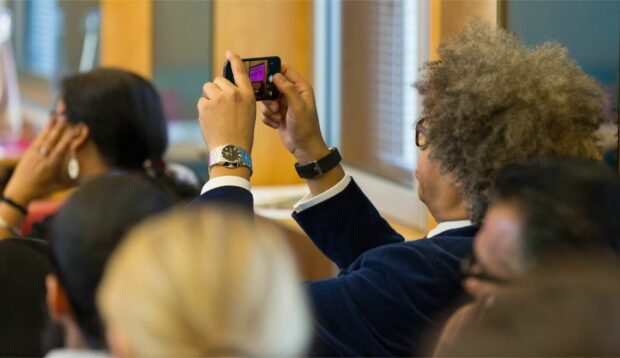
<point x="295" y="117"/>
<point x="39" y="171"/>
<point x="227" y="112"/>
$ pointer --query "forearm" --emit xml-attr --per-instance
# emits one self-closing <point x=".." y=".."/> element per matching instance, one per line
<point x="11" y="221"/>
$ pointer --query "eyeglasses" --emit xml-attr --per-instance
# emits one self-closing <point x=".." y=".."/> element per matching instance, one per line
<point x="471" y="268"/>
<point x="420" y="138"/>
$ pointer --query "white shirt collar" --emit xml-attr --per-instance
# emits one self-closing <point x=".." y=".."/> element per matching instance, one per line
<point x="447" y="225"/>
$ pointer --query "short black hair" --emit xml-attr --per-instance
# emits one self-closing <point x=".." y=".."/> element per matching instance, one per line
<point x="123" y="112"/>
<point x="88" y="228"/>
<point x="567" y="204"/>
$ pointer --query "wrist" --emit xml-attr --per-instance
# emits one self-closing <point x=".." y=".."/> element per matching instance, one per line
<point x="22" y="197"/>
<point x="311" y="153"/>
<point x="218" y="171"/>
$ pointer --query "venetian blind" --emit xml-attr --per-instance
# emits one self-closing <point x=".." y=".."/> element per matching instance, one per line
<point x="379" y="102"/>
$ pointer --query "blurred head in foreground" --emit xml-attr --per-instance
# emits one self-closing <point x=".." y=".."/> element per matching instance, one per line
<point x="541" y="208"/>
<point x="85" y="232"/>
<point x="568" y="308"/>
<point x="204" y="282"/>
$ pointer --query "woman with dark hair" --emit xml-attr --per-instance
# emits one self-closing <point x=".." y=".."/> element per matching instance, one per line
<point x="105" y="121"/>
<point x="83" y="235"/>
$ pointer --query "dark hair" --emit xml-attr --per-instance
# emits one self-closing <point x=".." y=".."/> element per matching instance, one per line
<point x="88" y="228"/>
<point x="22" y="306"/>
<point x="567" y="204"/>
<point x="123" y="112"/>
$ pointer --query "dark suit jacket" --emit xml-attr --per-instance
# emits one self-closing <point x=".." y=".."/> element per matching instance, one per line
<point x="389" y="293"/>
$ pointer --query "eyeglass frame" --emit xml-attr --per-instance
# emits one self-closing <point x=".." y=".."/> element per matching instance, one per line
<point x="470" y="261"/>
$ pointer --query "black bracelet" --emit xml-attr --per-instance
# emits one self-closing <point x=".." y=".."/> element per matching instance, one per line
<point x="319" y="167"/>
<point x="15" y="205"/>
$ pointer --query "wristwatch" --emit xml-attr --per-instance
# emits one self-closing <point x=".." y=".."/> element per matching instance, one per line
<point x="230" y="156"/>
<point x="319" y="167"/>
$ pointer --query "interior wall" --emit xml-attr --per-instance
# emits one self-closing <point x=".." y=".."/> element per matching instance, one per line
<point x="126" y="35"/>
<point x="258" y="29"/>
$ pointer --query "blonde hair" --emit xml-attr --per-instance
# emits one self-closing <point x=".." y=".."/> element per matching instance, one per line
<point x="206" y="282"/>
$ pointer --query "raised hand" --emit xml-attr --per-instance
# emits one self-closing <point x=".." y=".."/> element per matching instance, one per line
<point x="227" y="112"/>
<point x="39" y="171"/>
<point x="295" y="116"/>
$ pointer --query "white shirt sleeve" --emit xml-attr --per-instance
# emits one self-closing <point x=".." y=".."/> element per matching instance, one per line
<point x="227" y="180"/>
<point x="308" y="200"/>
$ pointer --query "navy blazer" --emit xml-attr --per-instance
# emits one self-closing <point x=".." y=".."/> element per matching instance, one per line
<point x="390" y="293"/>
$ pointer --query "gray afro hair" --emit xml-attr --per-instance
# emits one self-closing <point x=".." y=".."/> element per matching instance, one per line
<point x="490" y="102"/>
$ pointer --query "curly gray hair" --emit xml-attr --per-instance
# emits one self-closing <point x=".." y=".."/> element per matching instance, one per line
<point x="490" y="102"/>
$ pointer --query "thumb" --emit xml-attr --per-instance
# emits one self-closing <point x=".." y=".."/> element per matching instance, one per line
<point x="288" y="90"/>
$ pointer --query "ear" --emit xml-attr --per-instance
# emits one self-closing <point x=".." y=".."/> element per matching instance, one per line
<point x="57" y="300"/>
<point x="81" y="133"/>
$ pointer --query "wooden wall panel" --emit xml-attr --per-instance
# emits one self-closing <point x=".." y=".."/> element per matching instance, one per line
<point x="266" y="28"/>
<point x="126" y="35"/>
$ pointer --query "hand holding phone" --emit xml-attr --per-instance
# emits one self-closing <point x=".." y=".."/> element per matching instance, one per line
<point x="227" y="112"/>
<point x="261" y="71"/>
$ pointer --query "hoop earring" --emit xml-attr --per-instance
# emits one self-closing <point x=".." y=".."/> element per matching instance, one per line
<point x="73" y="167"/>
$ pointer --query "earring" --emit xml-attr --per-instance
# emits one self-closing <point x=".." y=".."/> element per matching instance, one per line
<point x="74" y="167"/>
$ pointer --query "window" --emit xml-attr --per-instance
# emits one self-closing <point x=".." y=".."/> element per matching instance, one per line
<point x="41" y="38"/>
<point x="52" y="38"/>
<point x="367" y="55"/>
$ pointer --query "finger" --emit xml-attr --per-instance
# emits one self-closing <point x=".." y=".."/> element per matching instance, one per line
<point x="273" y="106"/>
<point x="224" y="84"/>
<point x="303" y="86"/>
<point x="293" y="76"/>
<point x="241" y="77"/>
<point x="62" y="147"/>
<point x="210" y="90"/>
<point x="36" y="142"/>
<point x="271" y="123"/>
<point x="54" y="134"/>
<point x="288" y="90"/>
<point x="265" y="111"/>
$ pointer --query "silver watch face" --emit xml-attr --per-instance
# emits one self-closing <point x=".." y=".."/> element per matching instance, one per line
<point x="231" y="153"/>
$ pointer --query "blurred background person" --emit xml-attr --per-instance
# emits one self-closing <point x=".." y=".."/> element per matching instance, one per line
<point x="568" y="308"/>
<point x="541" y="209"/>
<point x="105" y="121"/>
<point x="83" y="235"/>
<point x="206" y="282"/>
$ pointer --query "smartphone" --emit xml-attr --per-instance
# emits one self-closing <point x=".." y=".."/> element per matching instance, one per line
<point x="261" y="71"/>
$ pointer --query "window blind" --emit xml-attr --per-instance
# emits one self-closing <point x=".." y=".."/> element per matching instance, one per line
<point x="379" y="102"/>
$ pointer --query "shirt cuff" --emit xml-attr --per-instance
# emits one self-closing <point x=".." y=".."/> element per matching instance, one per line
<point x="227" y="180"/>
<point x="309" y="201"/>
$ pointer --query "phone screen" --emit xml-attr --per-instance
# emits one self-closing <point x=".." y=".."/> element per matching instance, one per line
<point x="257" y="73"/>
<point x="261" y="71"/>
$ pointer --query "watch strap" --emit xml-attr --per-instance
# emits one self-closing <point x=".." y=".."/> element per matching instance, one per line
<point x="216" y="158"/>
<point x="319" y="167"/>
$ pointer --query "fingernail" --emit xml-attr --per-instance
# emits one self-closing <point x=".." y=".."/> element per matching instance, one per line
<point x="278" y="77"/>
<point x="228" y="54"/>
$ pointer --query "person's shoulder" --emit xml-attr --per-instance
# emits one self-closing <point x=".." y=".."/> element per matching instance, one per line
<point x="454" y="242"/>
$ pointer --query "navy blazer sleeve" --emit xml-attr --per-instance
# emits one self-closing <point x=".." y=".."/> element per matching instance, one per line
<point x="228" y="195"/>
<point x="389" y="293"/>
<point x="346" y="225"/>
<point x="389" y="301"/>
